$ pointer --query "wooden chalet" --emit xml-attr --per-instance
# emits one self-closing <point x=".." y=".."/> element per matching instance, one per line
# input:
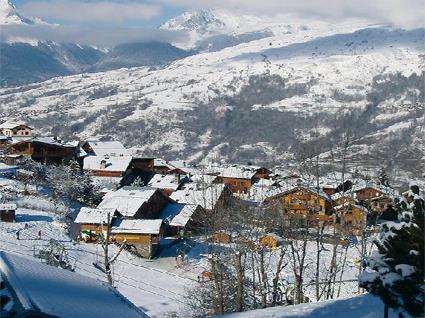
<point x="271" y="240"/>
<point x="342" y="198"/>
<point x="4" y="141"/>
<point x="7" y="212"/>
<point x="163" y="167"/>
<point x="239" y="179"/>
<point x="168" y="183"/>
<point x="351" y="215"/>
<point x="104" y="148"/>
<point x="210" y="197"/>
<point x="46" y="150"/>
<point x="135" y="202"/>
<point x="221" y="237"/>
<point x="143" y="164"/>
<point x="380" y="204"/>
<point x="141" y="235"/>
<point x="93" y="221"/>
<point x="15" y="129"/>
<point x="107" y="165"/>
<point x="180" y="219"/>
<point x="304" y="202"/>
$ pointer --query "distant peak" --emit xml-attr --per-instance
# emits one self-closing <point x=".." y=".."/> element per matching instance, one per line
<point x="195" y="20"/>
<point x="9" y="14"/>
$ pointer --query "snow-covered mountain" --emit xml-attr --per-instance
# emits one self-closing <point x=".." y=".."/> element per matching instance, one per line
<point x="266" y="100"/>
<point x="9" y="15"/>
<point x="27" y="60"/>
<point x="139" y="54"/>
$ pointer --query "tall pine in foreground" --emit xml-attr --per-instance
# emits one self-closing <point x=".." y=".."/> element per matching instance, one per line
<point x="395" y="270"/>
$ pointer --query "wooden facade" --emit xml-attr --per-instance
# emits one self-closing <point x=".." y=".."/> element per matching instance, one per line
<point x="271" y="241"/>
<point x="146" y="245"/>
<point x="143" y="164"/>
<point x="90" y="232"/>
<point x="7" y="213"/>
<point x="351" y="215"/>
<point x="237" y="184"/>
<point x="16" y="131"/>
<point x="367" y="194"/>
<point x="303" y="202"/>
<point x="153" y="207"/>
<point x="43" y="151"/>
<point x="221" y="237"/>
<point x="243" y="184"/>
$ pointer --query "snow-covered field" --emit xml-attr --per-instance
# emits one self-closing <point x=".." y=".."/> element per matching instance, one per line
<point x="157" y="286"/>
<point x="362" y="306"/>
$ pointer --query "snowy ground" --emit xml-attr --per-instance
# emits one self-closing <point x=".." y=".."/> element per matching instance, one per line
<point x="362" y="306"/>
<point x="157" y="286"/>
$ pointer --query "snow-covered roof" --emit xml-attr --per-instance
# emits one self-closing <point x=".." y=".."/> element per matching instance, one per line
<point x="204" y="179"/>
<point x="93" y="216"/>
<point x="285" y="190"/>
<point x="239" y="172"/>
<point x="177" y="214"/>
<point x="8" y="206"/>
<point x="137" y="226"/>
<point x="127" y="200"/>
<point x="10" y="124"/>
<point x="161" y="181"/>
<point x="52" y="141"/>
<point x="374" y="185"/>
<point x="62" y="293"/>
<point x="340" y="195"/>
<point x="107" y="163"/>
<point x="105" y="148"/>
<point x="347" y="204"/>
<point x="159" y="162"/>
<point x="205" y="196"/>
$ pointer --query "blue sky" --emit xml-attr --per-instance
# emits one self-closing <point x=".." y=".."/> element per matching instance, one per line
<point x="165" y="12"/>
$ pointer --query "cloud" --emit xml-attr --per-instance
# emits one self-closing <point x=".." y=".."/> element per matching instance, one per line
<point x="97" y="11"/>
<point x="100" y="37"/>
<point x="404" y="13"/>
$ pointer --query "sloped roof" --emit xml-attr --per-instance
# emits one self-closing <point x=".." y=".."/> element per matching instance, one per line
<point x="93" y="216"/>
<point x="371" y="184"/>
<point x="62" y="293"/>
<point x="238" y="172"/>
<point x="127" y="201"/>
<point x="8" y="206"/>
<point x="302" y="188"/>
<point x="205" y="196"/>
<point x="112" y="164"/>
<point x="177" y="214"/>
<point x="104" y="148"/>
<point x="10" y="124"/>
<point x="137" y="226"/>
<point x="161" y="181"/>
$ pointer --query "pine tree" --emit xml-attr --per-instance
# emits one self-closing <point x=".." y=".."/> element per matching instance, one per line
<point x="383" y="178"/>
<point x="395" y="270"/>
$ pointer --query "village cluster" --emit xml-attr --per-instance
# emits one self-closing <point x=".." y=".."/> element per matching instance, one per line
<point x="145" y="198"/>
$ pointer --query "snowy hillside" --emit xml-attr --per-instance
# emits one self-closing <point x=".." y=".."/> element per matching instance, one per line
<point x="306" y="77"/>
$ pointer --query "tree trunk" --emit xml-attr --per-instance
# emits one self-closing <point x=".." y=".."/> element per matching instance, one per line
<point x="386" y="309"/>
<point x="263" y="279"/>
<point x="219" y="307"/>
<point x="240" y="281"/>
